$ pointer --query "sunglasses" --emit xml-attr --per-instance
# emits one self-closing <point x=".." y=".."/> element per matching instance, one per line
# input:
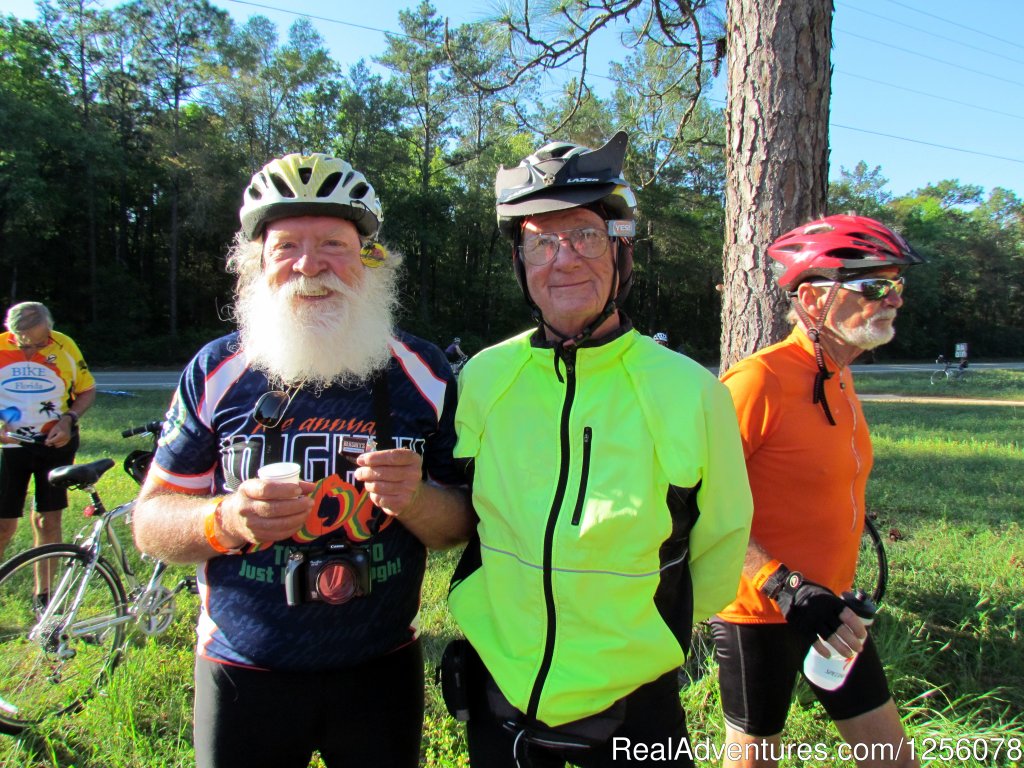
<point x="871" y="288"/>
<point x="270" y="408"/>
<point x="540" y="249"/>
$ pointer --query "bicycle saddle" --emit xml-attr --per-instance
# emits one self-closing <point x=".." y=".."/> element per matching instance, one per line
<point x="79" y="475"/>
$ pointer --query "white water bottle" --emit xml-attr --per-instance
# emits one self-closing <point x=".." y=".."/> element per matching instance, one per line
<point x="829" y="672"/>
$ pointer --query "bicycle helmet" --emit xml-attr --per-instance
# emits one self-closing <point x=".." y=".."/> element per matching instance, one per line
<point x="559" y="176"/>
<point x="309" y="185"/>
<point x="661" y="337"/>
<point x="836" y="247"/>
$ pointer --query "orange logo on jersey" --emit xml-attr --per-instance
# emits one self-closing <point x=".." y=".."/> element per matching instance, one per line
<point x="338" y="504"/>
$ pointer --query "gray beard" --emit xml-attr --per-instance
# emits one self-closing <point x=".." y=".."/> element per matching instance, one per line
<point x="866" y="337"/>
<point x="341" y="340"/>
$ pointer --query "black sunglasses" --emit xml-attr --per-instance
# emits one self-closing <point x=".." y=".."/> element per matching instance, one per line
<point x="871" y="288"/>
<point x="270" y="408"/>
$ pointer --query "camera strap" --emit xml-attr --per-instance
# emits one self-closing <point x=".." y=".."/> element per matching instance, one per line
<point x="383" y="437"/>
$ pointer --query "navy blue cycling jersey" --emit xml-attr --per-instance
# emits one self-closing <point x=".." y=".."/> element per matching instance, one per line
<point x="211" y="444"/>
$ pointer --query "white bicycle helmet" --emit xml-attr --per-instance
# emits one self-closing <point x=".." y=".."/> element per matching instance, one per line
<point x="309" y="185"/>
<point x="662" y="337"/>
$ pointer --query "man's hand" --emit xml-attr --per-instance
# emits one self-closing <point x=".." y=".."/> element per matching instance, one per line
<point x="393" y="478"/>
<point x="816" y="612"/>
<point x="59" y="434"/>
<point x="264" y="511"/>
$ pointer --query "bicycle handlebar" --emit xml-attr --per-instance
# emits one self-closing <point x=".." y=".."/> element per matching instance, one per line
<point x="152" y="428"/>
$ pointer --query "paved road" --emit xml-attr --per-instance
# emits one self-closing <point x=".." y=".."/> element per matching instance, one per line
<point x="132" y="380"/>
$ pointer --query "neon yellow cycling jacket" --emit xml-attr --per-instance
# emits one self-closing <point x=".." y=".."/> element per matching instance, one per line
<point x="614" y="511"/>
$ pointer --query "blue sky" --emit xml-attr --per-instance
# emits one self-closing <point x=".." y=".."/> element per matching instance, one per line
<point x="926" y="89"/>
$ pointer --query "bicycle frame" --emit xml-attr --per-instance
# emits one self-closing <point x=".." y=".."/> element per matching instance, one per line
<point x="93" y="543"/>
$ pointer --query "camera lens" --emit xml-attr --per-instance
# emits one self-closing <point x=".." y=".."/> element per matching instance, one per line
<point x="336" y="583"/>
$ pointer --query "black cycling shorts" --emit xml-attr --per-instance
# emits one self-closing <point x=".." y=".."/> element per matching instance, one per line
<point x="19" y="464"/>
<point x="367" y="715"/>
<point x="757" y="669"/>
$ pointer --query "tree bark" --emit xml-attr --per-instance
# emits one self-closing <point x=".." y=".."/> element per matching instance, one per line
<point x="777" y="157"/>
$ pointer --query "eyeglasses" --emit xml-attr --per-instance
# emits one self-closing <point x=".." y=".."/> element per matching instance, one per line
<point x="270" y="408"/>
<point x="871" y="288"/>
<point x="539" y="249"/>
<point x="40" y="345"/>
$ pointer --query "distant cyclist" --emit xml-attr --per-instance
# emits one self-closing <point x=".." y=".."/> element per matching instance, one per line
<point x="661" y="338"/>
<point x="808" y="457"/>
<point x="454" y="352"/>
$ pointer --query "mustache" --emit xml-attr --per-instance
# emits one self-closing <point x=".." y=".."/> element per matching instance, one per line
<point x="303" y="285"/>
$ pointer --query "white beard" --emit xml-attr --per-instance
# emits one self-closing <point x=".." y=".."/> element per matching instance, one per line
<point x="340" y="340"/>
<point x="870" y="335"/>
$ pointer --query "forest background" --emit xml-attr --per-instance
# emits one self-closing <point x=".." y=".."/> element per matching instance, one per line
<point x="127" y="135"/>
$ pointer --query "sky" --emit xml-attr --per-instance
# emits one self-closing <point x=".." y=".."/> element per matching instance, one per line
<point x="925" y="89"/>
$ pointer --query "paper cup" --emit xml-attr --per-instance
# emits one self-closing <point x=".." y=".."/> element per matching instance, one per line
<point x="280" y="472"/>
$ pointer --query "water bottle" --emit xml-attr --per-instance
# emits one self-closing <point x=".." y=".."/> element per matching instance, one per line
<point x="829" y="672"/>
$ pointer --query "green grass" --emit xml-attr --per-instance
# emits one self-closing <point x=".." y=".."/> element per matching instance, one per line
<point x="989" y="384"/>
<point x="947" y="485"/>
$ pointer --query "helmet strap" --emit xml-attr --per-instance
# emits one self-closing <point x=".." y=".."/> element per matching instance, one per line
<point x="814" y="334"/>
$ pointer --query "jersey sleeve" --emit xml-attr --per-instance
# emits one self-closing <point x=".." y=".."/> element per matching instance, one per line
<point x="83" y="379"/>
<point x="187" y="453"/>
<point x="755" y="394"/>
<point x="438" y="459"/>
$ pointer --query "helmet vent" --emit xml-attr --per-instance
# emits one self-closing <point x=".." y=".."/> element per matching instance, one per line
<point x="329" y="185"/>
<point x="281" y="185"/>
<point x="254" y="192"/>
<point x="358" y="191"/>
<point x="305" y="173"/>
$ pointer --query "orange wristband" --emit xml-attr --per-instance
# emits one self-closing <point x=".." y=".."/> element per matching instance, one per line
<point x="210" y="529"/>
<point x="762" y="575"/>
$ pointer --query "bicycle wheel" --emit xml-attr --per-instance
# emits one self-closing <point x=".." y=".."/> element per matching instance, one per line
<point x="52" y="659"/>
<point x="872" y="564"/>
<point x="938" y="376"/>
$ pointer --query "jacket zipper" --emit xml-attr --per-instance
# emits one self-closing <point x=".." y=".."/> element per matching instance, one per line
<point x="549" y="535"/>
<point x="584" y="475"/>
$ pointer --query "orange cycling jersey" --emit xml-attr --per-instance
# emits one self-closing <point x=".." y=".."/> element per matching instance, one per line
<point x="807" y="477"/>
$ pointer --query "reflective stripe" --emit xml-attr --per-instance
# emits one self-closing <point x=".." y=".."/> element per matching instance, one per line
<point x="429" y="385"/>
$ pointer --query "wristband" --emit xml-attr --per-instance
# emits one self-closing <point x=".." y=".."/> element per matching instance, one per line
<point x="762" y="575"/>
<point x="210" y="529"/>
<point x="71" y="415"/>
<point x="771" y="578"/>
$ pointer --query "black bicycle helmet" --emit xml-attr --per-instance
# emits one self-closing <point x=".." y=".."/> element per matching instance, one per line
<point x="562" y="175"/>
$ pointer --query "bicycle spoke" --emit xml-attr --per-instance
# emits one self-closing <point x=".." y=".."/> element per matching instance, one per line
<point x="49" y="661"/>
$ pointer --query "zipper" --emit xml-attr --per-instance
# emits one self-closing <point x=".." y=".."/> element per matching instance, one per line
<point x="853" y="449"/>
<point x="549" y="535"/>
<point x="584" y="474"/>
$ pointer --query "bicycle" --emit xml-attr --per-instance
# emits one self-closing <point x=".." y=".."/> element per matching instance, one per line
<point x="872" y="575"/>
<point x="458" y="364"/>
<point x="951" y="372"/>
<point x="56" y="652"/>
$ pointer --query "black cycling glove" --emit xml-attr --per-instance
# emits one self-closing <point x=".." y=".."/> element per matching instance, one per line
<point x="811" y="609"/>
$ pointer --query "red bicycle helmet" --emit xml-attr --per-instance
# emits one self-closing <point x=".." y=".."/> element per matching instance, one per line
<point x="837" y="247"/>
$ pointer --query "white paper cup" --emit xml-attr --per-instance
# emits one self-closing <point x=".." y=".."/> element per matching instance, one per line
<point x="280" y="472"/>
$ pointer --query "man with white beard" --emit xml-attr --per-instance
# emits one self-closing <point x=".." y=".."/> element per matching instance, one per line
<point x="310" y="587"/>
<point x="808" y="455"/>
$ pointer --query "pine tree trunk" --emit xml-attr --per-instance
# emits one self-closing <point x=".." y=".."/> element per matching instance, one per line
<point x="777" y="157"/>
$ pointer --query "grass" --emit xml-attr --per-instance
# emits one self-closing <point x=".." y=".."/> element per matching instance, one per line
<point x="947" y="485"/>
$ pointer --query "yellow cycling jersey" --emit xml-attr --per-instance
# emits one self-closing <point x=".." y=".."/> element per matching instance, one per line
<point x="35" y="392"/>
